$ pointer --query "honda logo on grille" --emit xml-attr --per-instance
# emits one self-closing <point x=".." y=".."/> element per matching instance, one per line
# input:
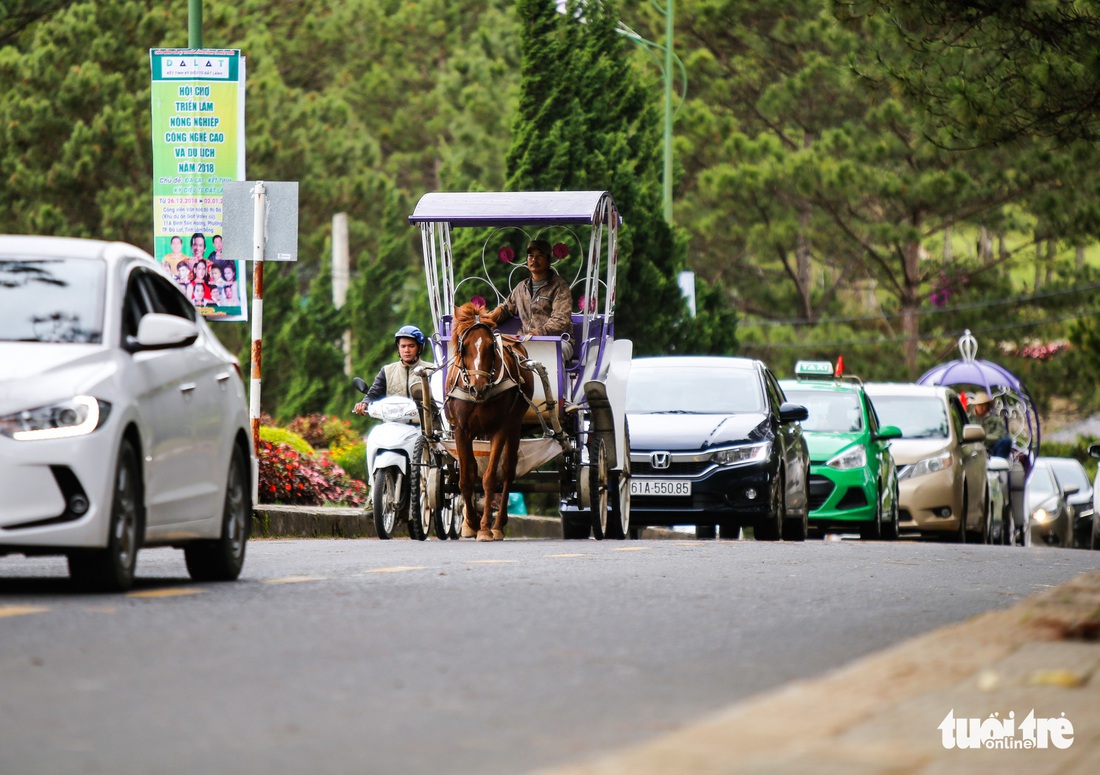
<point x="660" y="460"/>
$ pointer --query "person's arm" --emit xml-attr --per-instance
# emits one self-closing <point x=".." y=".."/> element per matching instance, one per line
<point x="378" y="389"/>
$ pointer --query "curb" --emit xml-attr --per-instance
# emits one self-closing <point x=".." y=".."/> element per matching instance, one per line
<point x="882" y="713"/>
<point x="277" y="521"/>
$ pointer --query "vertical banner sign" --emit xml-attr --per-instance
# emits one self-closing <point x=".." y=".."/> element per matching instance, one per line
<point x="198" y="145"/>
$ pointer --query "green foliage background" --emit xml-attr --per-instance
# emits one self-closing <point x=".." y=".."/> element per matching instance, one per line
<point x="850" y="177"/>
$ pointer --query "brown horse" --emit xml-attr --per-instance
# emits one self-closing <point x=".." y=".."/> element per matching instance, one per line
<point x="487" y="394"/>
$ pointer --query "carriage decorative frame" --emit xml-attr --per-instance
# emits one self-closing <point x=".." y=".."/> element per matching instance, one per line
<point x="577" y="443"/>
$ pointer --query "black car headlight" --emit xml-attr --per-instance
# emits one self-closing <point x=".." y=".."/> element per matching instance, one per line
<point x="76" y="416"/>
<point x="750" y="453"/>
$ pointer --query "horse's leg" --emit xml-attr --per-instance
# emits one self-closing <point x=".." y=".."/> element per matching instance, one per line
<point x="489" y="485"/>
<point x="508" y="473"/>
<point x="467" y="465"/>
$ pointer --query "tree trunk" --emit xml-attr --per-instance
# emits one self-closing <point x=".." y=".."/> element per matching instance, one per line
<point x="910" y="306"/>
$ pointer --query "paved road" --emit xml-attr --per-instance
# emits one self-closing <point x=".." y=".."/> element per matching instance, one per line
<point x="400" y="657"/>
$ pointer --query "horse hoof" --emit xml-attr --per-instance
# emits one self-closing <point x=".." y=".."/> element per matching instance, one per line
<point x="498" y="535"/>
<point x="484" y="535"/>
<point x="467" y="531"/>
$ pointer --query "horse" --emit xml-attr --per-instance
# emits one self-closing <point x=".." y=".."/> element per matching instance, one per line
<point x="488" y="393"/>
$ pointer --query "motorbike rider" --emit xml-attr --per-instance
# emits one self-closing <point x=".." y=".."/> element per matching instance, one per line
<point x="396" y="378"/>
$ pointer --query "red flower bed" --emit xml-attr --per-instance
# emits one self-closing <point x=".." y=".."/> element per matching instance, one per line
<point x="290" y="478"/>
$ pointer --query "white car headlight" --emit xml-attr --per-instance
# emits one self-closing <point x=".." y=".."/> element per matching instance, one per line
<point x="77" y="416"/>
<point x="750" y="453"/>
<point x="1042" y="516"/>
<point x="929" y="465"/>
<point x="853" y="457"/>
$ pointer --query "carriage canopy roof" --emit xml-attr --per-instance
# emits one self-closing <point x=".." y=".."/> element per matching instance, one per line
<point x="500" y="208"/>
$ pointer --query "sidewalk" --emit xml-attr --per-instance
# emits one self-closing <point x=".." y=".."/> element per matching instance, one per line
<point x="888" y="713"/>
<point x="270" y="521"/>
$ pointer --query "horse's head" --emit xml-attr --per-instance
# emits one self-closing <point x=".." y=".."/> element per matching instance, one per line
<point x="477" y="358"/>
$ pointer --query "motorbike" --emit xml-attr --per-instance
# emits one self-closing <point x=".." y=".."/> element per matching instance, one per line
<point x="394" y="448"/>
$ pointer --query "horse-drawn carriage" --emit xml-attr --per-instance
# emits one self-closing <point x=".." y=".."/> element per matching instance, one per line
<point x="568" y="413"/>
<point x="1012" y="402"/>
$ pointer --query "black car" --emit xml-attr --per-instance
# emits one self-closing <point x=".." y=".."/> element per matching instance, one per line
<point x="715" y="443"/>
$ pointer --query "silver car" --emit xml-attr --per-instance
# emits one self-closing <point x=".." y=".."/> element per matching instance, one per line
<point x="123" y="420"/>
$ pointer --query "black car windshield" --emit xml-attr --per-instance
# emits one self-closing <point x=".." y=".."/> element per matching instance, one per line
<point x="1041" y="483"/>
<point x="693" y="390"/>
<point x="919" y="417"/>
<point x="1070" y="472"/>
<point x="829" y="412"/>
<point x="51" y="299"/>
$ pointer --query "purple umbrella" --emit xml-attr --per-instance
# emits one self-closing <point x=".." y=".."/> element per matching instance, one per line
<point x="996" y="380"/>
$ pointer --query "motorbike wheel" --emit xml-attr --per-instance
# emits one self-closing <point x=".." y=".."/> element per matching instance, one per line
<point x="384" y="495"/>
<point x="420" y="516"/>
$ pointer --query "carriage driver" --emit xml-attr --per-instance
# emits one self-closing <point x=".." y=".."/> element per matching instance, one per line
<point x="396" y="378"/>
<point x="997" y="440"/>
<point x="543" y="302"/>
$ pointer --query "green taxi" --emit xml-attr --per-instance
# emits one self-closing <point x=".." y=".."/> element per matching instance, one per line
<point x="853" y="479"/>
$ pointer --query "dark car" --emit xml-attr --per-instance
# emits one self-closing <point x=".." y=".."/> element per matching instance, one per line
<point x="715" y="443"/>
<point x="1048" y="511"/>
<point x="1071" y="473"/>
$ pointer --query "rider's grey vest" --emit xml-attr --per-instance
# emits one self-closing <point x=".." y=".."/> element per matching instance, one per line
<point x="399" y="377"/>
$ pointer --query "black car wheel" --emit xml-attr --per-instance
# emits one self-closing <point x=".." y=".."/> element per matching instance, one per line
<point x="891" y="527"/>
<point x="112" y="569"/>
<point x="769" y="527"/>
<point x="872" y="531"/>
<point x="222" y="560"/>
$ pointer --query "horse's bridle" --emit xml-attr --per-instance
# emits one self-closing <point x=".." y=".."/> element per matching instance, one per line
<point x="502" y="381"/>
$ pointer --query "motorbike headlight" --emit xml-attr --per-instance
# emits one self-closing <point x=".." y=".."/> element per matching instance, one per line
<point x="853" y="457"/>
<point x="929" y="465"/>
<point x="750" y="453"/>
<point x="77" y="416"/>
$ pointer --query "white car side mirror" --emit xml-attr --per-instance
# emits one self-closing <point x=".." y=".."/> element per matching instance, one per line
<point x="157" y="331"/>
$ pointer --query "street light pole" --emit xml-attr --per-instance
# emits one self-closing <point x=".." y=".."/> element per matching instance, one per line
<point x="667" y="182"/>
<point x="194" y="24"/>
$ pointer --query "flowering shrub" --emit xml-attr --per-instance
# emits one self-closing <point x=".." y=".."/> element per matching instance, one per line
<point x="321" y="430"/>
<point x="352" y="457"/>
<point x="283" y="436"/>
<point x="290" y="477"/>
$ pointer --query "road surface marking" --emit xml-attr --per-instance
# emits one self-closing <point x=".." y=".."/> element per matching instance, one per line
<point x="397" y="569"/>
<point x="168" y="592"/>
<point x="492" y="562"/>
<point x="295" y="579"/>
<point x="632" y="549"/>
<point x="578" y="554"/>
<point x="19" y="610"/>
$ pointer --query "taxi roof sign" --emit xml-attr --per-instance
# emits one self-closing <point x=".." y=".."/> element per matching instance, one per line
<point x="819" y="369"/>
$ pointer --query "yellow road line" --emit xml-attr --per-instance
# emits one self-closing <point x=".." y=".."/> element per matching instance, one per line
<point x="492" y="562"/>
<point x="294" y="579"/>
<point x="19" y="610"/>
<point x="633" y="549"/>
<point x="168" y="592"/>
<point x="397" y="569"/>
<point x="579" y="554"/>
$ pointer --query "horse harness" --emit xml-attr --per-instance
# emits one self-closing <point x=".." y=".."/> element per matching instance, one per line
<point x="501" y="384"/>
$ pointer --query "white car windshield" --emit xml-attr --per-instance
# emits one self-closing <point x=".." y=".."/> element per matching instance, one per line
<point x="828" y="412"/>
<point x="1070" y="473"/>
<point x="919" y="417"/>
<point x="51" y="299"/>
<point x="688" y="390"/>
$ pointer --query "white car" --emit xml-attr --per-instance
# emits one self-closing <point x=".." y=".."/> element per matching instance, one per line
<point x="123" y="420"/>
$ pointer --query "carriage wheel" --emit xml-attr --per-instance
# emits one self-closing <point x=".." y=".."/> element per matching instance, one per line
<point x="436" y="510"/>
<point x="618" y="524"/>
<point x="597" y="485"/>
<point x="420" y="516"/>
